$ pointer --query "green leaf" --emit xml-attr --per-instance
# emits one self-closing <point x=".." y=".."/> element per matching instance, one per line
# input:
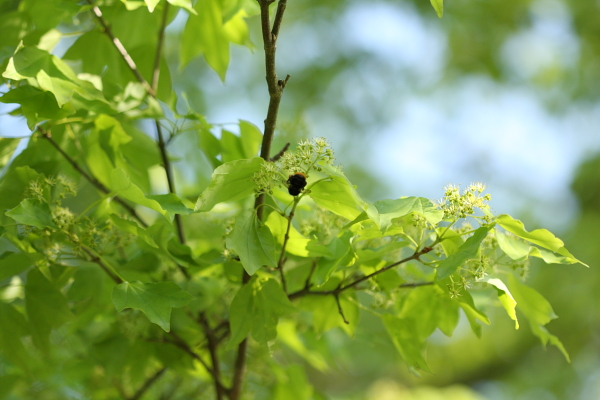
<point x="430" y="307"/>
<point x="505" y="297"/>
<point x="296" y="244"/>
<point x="36" y="105"/>
<point x="14" y="326"/>
<point x="467" y="251"/>
<point x="337" y="194"/>
<point x="185" y="4"/>
<point x="151" y="4"/>
<point x="33" y="212"/>
<point x="134" y="229"/>
<point x="387" y="210"/>
<point x="171" y="203"/>
<point x="204" y="34"/>
<point x="292" y="383"/>
<point x="519" y="251"/>
<point x="538" y="311"/>
<point x="236" y="30"/>
<point x="14" y="264"/>
<point x="287" y="334"/>
<point x="153" y="299"/>
<point x="473" y="314"/>
<point x="46" y="307"/>
<point x="406" y="338"/>
<point x="230" y="181"/>
<point x="438" y="6"/>
<point x="7" y="148"/>
<point x="326" y="315"/>
<point x="541" y="237"/>
<point x="121" y="183"/>
<point x="256" y="308"/>
<point x="14" y="185"/>
<point x="253" y="242"/>
<point x="340" y="254"/>
<point x="251" y="138"/>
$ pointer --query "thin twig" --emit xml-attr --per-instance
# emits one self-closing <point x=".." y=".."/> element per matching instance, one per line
<point x="95" y="182"/>
<point x="140" y="392"/>
<point x="159" y="47"/>
<point x="121" y="49"/>
<point x="306" y="291"/>
<point x="97" y="260"/>
<point x="240" y="359"/>
<point x="161" y="142"/>
<point x="214" y="356"/>
<point x="281" y="152"/>
<point x="179" y="342"/>
<point x="340" y="309"/>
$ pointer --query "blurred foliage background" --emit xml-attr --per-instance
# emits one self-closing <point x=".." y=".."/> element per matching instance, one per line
<point x="504" y="92"/>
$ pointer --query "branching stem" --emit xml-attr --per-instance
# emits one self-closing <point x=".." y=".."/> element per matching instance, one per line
<point x="335" y="292"/>
<point x="121" y="49"/>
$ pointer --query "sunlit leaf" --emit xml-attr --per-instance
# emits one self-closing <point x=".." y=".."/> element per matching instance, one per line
<point x="230" y="181"/>
<point x="438" y="6"/>
<point x="253" y="242"/>
<point x="467" y="251"/>
<point x="538" y="311"/>
<point x="505" y="297"/>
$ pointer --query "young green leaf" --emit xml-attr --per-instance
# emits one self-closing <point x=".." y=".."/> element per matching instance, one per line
<point x="296" y="244"/>
<point x="467" y="251"/>
<point x="153" y="299"/>
<point x="33" y="212"/>
<point x="7" y="148"/>
<point x="253" y="242"/>
<point x="519" y="250"/>
<point x="387" y="210"/>
<point x="15" y="263"/>
<point x="46" y="306"/>
<point x="337" y="194"/>
<point x="473" y="314"/>
<point x="121" y="183"/>
<point x="204" y="34"/>
<point x="438" y="6"/>
<point x="256" y="308"/>
<point x="538" y="311"/>
<point x="407" y="340"/>
<point x="230" y="181"/>
<point x="14" y="326"/>
<point x="505" y="297"/>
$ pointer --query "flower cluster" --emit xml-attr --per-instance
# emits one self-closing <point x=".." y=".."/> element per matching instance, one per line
<point x="309" y="155"/>
<point x="456" y="205"/>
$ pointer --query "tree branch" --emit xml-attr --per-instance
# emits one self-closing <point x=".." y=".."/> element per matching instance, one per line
<point x="159" y="47"/>
<point x="340" y="309"/>
<point x="121" y="49"/>
<point x="281" y="152"/>
<point x="306" y="290"/>
<point x="275" y="91"/>
<point x="95" y="182"/>
<point x="214" y="356"/>
<point x="97" y="260"/>
<point x="140" y="392"/>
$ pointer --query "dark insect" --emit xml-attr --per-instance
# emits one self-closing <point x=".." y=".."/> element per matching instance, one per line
<point x="296" y="183"/>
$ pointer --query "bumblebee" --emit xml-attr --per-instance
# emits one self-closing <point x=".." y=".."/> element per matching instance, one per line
<point x="296" y="183"/>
